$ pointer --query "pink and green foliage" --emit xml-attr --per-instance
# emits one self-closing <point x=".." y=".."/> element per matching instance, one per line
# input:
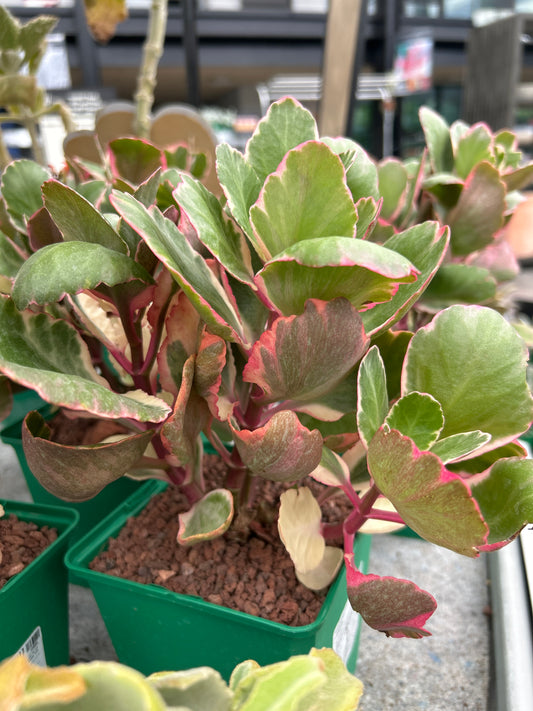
<point x="467" y="178"/>
<point x="272" y="322"/>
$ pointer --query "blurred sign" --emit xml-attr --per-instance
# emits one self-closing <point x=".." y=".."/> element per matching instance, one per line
<point x="413" y="65"/>
<point x="53" y="72"/>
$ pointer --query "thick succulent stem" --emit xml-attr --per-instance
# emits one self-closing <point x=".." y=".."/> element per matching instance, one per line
<point x="152" y="51"/>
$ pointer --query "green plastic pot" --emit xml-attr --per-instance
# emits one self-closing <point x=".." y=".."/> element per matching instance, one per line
<point x="34" y="603"/>
<point x="90" y="512"/>
<point x="23" y="402"/>
<point x="152" y="628"/>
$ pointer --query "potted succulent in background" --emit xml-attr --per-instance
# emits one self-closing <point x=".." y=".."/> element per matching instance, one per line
<point x="23" y="100"/>
<point x="33" y="581"/>
<point x="313" y="681"/>
<point x="275" y="323"/>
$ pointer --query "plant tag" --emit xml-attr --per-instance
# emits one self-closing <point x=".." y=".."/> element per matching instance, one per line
<point x="345" y="633"/>
<point x="33" y="648"/>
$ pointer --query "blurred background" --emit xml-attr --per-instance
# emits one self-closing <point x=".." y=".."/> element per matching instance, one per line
<point x="232" y="57"/>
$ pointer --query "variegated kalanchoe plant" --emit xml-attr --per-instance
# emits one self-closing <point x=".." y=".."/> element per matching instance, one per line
<point x="313" y="681"/>
<point x="274" y="320"/>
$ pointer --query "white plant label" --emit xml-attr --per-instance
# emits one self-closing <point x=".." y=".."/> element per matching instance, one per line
<point x="33" y="648"/>
<point x="345" y="632"/>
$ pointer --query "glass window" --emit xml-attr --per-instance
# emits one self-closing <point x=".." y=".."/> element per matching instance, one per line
<point x="458" y="9"/>
<point x="421" y="8"/>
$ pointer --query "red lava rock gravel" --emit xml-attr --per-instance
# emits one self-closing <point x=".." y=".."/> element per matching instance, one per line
<point x="257" y="577"/>
<point x="20" y="543"/>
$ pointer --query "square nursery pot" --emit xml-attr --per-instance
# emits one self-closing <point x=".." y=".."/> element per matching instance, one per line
<point x="153" y="628"/>
<point x="34" y="603"/>
<point x="90" y="512"/>
<point x="23" y="402"/>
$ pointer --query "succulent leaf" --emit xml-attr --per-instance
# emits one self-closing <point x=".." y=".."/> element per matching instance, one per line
<point x="284" y="366"/>
<point x="424" y="246"/>
<point x="214" y="230"/>
<point x="71" y="267"/>
<point x="77" y="219"/>
<point x="187" y="266"/>
<point x="419" y="416"/>
<point x="372" y="399"/>
<point x="305" y="198"/>
<point x="330" y="267"/>
<point x="77" y="473"/>
<point x="505" y="496"/>
<point x="208" y="518"/>
<point x="396" y="607"/>
<point x="433" y="501"/>
<point x="281" y="450"/>
<point x="473" y="362"/>
<point x="286" y="125"/>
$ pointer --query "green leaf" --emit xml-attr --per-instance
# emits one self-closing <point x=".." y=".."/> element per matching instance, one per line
<point x="456" y="283"/>
<point x="185" y="264"/>
<point x="301" y="358"/>
<point x="424" y="246"/>
<point x="240" y="184"/>
<point x="77" y="473"/>
<point x="307" y="197"/>
<point x="437" y="133"/>
<point x="430" y="499"/>
<point x="21" y="188"/>
<point x="330" y="267"/>
<point x="9" y="30"/>
<point x="473" y="362"/>
<point x="482" y="462"/>
<point x="367" y="214"/>
<point x="286" y="125"/>
<point x="392" y="186"/>
<point x="445" y="187"/>
<point x="134" y="159"/>
<point x="50" y="357"/>
<point x="70" y="267"/>
<point x="77" y="219"/>
<point x="341" y="692"/>
<point x="114" y="686"/>
<point x="459" y="445"/>
<point x="518" y="179"/>
<point x="473" y="147"/>
<point x="418" y="416"/>
<point x="33" y="35"/>
<point x="279" y="687"/>
<point x="372" y="399"/>
<point x="505" y="497"/>
<point x="214" y="231"/>
<point x="197" y="689"/>
<point x="208" y="518"/>
<point x="180" y="432"/>
<point x="10" y="258"/>
<point x="361" y="172"/>
<point x="479" y="212"/>
<point x="281" y="450"/>
<point x="392" y="347"/>
<point x="332" y="470"/>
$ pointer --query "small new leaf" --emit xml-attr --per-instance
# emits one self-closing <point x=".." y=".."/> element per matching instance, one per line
<point x="208" y="518"/>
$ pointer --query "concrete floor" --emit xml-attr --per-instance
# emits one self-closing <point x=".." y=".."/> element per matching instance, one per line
<point x="448" y="671"/>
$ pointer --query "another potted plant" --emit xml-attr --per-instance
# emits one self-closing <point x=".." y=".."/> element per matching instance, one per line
<point x="275" y="323"/>
<point x="33" y="581"/>
<point x="314" y="681"/>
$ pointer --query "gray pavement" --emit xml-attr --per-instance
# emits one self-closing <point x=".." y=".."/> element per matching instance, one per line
<point x="449" y="671"/>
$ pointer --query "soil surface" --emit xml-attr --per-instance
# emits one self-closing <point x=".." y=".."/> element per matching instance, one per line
<point x="251" y="571"/>
<point x="20" y="543"/>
